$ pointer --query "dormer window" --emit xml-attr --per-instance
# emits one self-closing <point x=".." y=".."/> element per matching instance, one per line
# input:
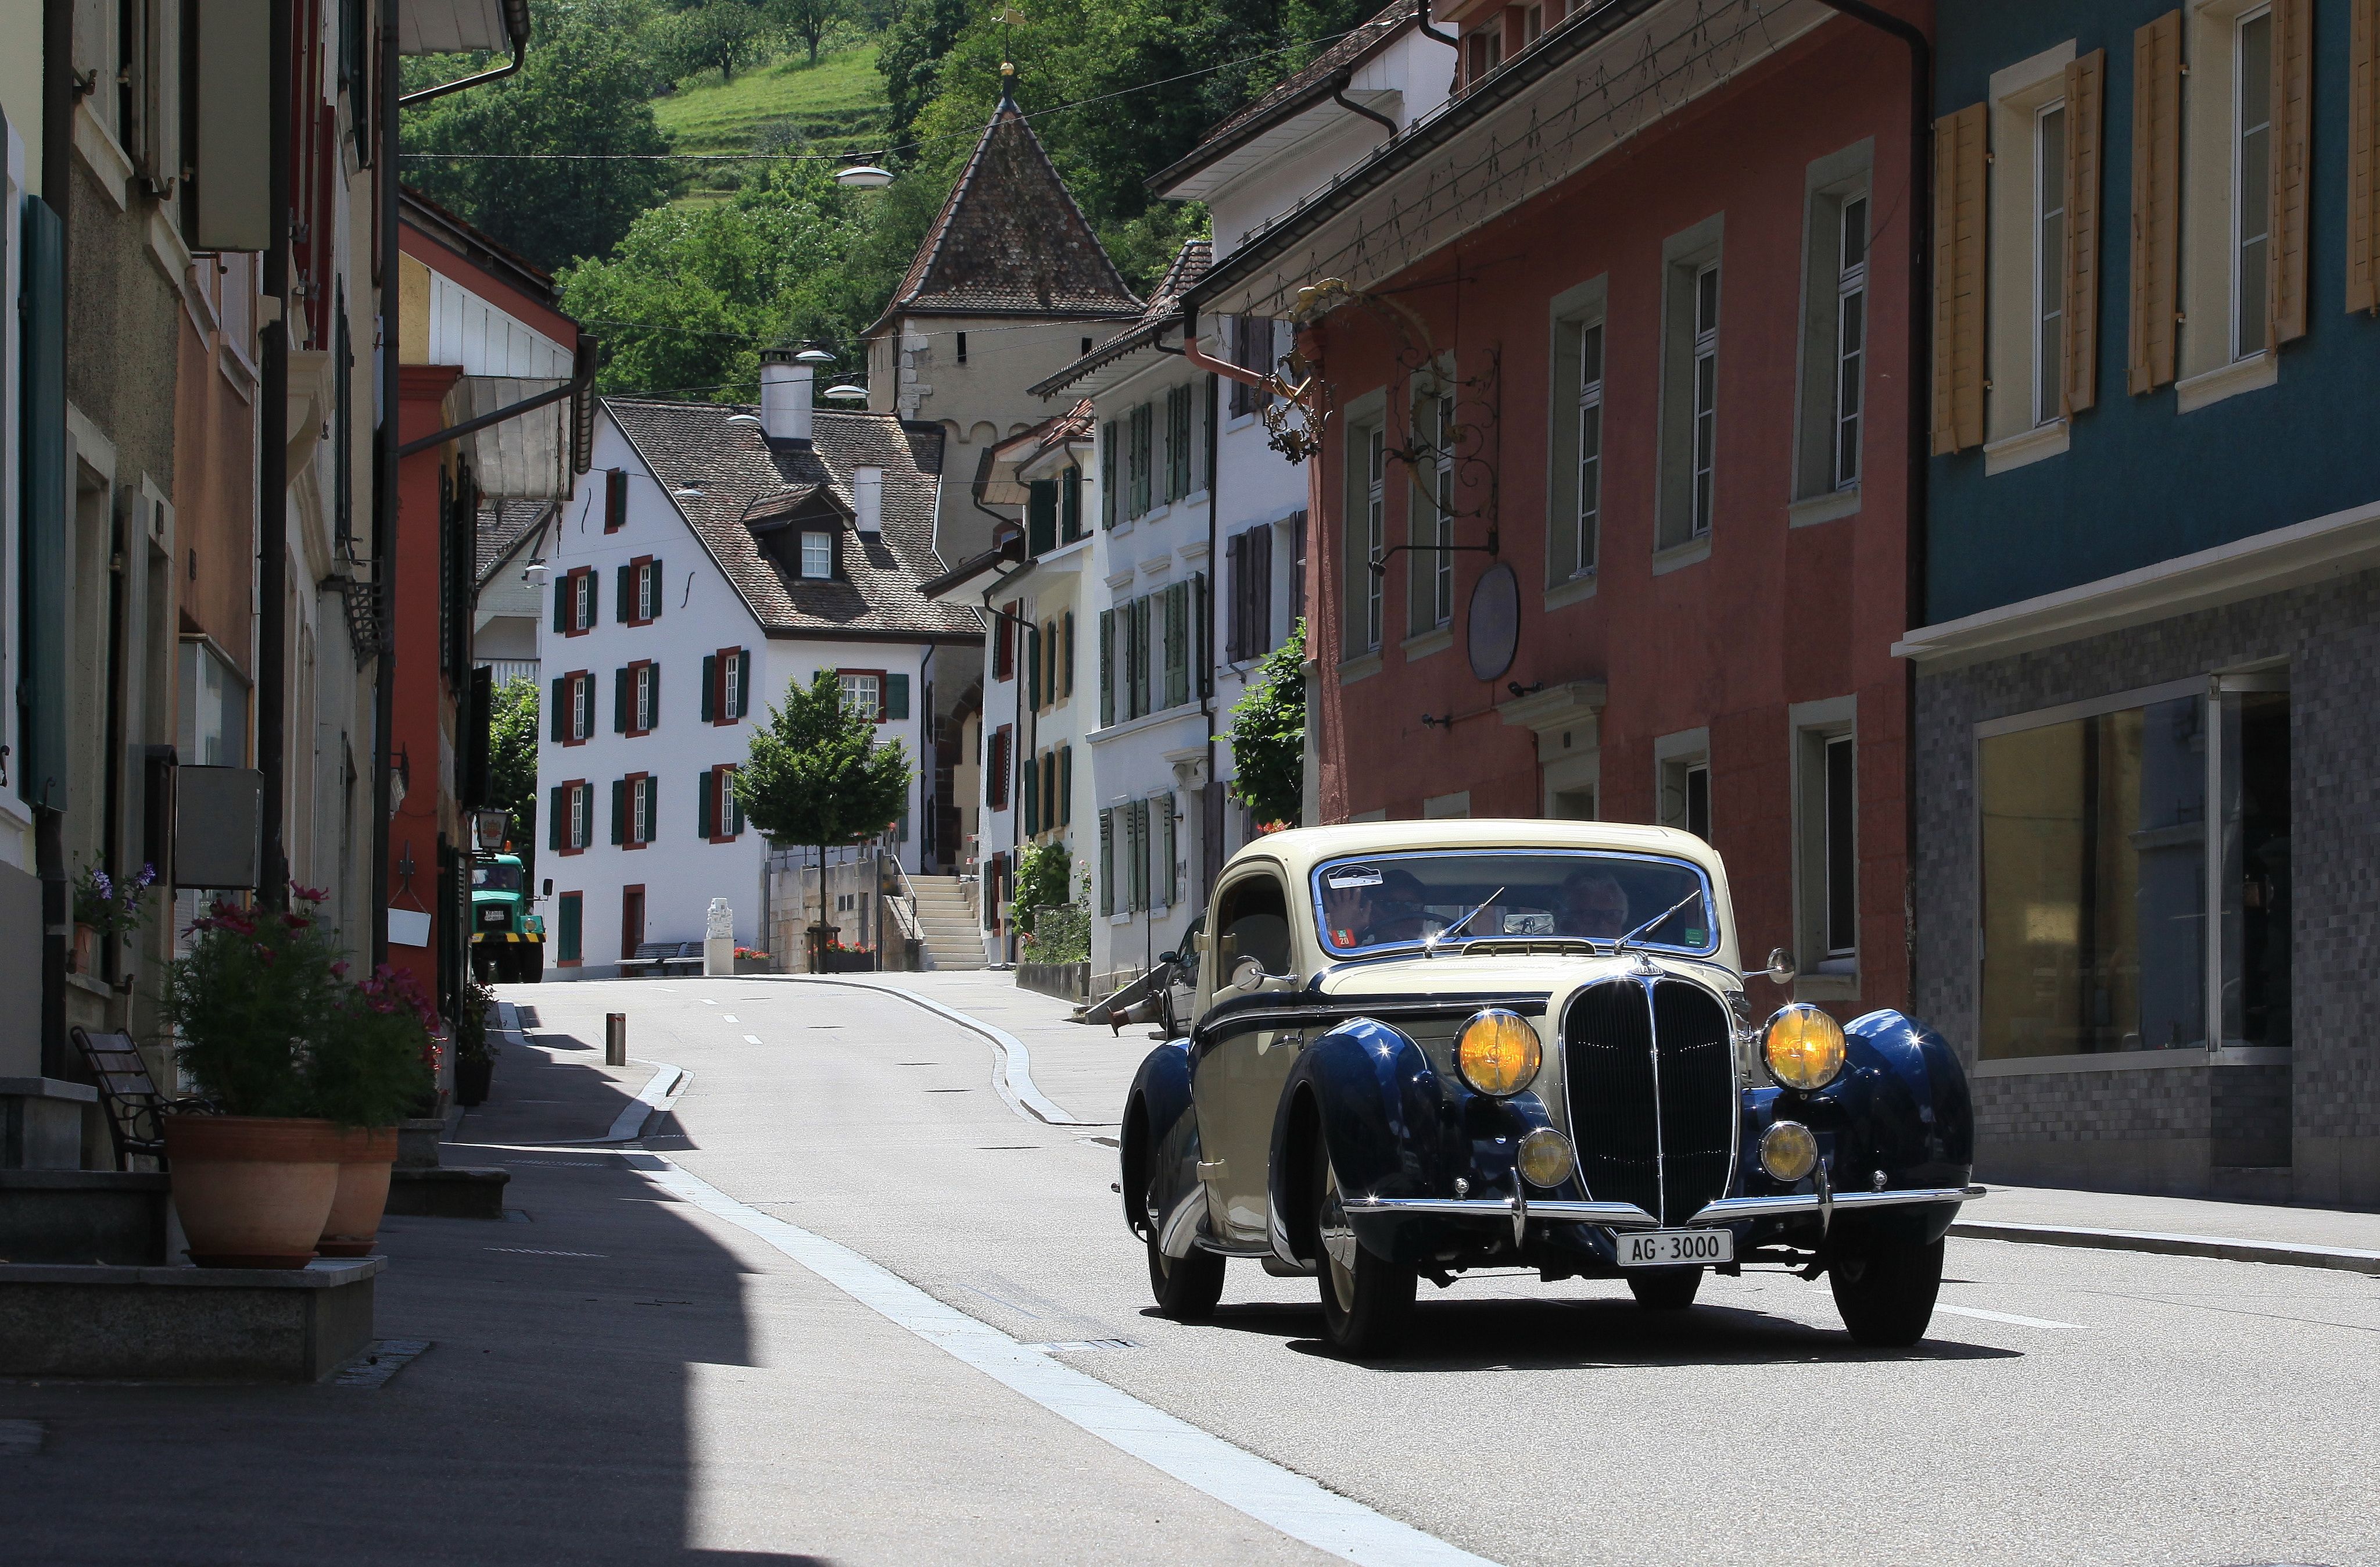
<point x="818" y="556"/>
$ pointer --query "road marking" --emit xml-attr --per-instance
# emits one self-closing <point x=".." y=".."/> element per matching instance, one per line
<point x="2004" y="1317"/>
<point x="728" y="1017"/>
<point x="1280" y="1498"/>
<point x="751" y="1038"/>
<point x="708" y="1001"/>
<point x="1012" y="1072"/>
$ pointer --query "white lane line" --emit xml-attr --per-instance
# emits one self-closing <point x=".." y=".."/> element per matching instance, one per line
<point x="1278" y="1498"/>
<point x="751" y="1038"/>
<point x="1013" y="1070"/>
<point x="2003" y="1317"/>
<point x="728" y="1017"/>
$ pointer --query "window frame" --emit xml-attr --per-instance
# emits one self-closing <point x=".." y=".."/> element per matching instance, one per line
<point x="2237" y="238"/>
<point x="843" y="675"/>
<point x="579" y="830"/>
<point x="1828" y="970"/>
<point x="580" y="683"/>
<point x="1686" y="503"/>
<point x="2048" y="294"/>
<point x="1578" y="319"/>
<point x="803" y="546"/>
<point x="644" y="698"/>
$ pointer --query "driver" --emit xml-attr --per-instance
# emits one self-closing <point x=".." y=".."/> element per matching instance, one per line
<point x="1367" y="909"/>
<point x="1595" y="905"/>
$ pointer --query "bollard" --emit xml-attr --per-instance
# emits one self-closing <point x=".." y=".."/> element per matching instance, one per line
<point x="615" y="1038"/>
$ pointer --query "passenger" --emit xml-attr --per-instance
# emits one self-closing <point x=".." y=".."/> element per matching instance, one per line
<point x="1399" y="908"/>
<point x="1371" y="914"/>
<point x="1595" y="905"/>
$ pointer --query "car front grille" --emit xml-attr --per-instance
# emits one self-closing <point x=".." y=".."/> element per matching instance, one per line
<point x="1651" y="1076"/>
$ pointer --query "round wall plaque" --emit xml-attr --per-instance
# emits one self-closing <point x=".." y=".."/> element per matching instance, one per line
<point x="1495" y="634"/>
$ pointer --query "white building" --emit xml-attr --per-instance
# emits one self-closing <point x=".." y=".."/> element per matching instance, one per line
<point x="511" y="602"/>
<point x="718" y="554"/>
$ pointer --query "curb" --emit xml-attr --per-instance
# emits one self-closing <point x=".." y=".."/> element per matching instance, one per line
<point x="1013" y="1075"/>
<point x="2223" y="1249"/>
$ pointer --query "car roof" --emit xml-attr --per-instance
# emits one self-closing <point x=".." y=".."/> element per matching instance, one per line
<point x="1299" y="849"/>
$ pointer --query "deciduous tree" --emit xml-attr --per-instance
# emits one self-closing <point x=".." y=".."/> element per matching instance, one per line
<point x="817" y="774"/>
<point x="1268" y="736"/>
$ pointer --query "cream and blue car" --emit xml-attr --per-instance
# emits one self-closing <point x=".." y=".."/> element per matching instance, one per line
<point x="1422" y="1048"/>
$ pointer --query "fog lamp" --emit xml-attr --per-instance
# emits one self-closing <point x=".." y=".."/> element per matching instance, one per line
<point x="1497" y="1054"/>
<point x="1803" y="1048"/>
<point x="1545" y="1158"/>
<point x="1789" y="1151"/>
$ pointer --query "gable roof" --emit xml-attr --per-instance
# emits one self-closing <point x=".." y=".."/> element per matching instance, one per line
<point x="1189" y="264"/>
<point x="1010" y="240"/>
<point x="1293" y="94"/>
<point x="503" y="526"/>
<point x="692" y="445"/>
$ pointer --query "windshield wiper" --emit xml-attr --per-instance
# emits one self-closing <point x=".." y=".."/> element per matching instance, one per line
<point x="1429" y="947"/>
<point x="1625" y="941"/>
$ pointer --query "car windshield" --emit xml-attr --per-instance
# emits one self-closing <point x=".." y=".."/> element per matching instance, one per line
<point x="1398" y="899"/>
<point x="495" y="878"/>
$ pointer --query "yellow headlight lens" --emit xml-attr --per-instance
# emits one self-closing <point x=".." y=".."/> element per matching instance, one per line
<point x="1498" y="1054"/>
<point x="1804" y="1047"/>
<point x="1788" y="1150"/>
<point x="1545" y="1158"/>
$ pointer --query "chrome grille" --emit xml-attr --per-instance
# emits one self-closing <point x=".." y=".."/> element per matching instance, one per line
<point x="1651" y="1076"/>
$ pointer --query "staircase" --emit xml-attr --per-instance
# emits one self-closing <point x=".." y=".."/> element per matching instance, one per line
<point x="954" y="927"/>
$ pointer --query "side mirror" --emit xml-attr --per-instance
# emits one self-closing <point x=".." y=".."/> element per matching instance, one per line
<point x="1781" y="966"/>
<point x="1168" y="957"/>
<point x="1247" y="974"/>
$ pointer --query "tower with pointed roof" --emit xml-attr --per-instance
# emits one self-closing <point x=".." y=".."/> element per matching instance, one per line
<point x="1010" y="285"/>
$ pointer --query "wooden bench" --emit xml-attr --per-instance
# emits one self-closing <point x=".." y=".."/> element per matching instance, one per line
<point x="664" y="957"/>
<point x="130" y="1097"/>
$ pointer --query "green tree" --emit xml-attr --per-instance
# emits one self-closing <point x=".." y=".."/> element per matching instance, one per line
<point x="809" y="20"/>
<point x="909" y="56"/>
<point x="583" y="90"/>
<point x="1268" y="736"/>
<point x="512" y="759"/>
<point x="723" y="36"/>
<point x="1043" y="871"/>
<point x="816" y="774"/>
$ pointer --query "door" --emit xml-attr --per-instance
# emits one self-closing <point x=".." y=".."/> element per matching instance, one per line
<point x="1237" y="1080"/>
<point x="632" y="920"/>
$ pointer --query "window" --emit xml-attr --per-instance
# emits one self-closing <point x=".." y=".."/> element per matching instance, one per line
<point x="1251" y="350"/>
<point x="1574" y="466"/>
<point x="633" y="810"/>
<point x="615" y="500"/>
<point x="213" y="709"/>
<point x="1683" y="764"/>
<point x="1003" y="639"/>
<point x="1843" y="395"/>
<point x="1070" y="506"/>
<point x="1109" y="438"/>
<point x="1178" y="427"/>
<point x="2048" y="260"/>
<point x="1068" y="660"/>
<point x="1106" y="668"/>
<point x="1065" y="786"/>
<point x="1247" y="625"/>
<point x="961" y="336"/>
<point x="2251" y="184"/>
<point x="1040" y="516"/>
<point x="995" y="770"/>
<point x="1177" y="644"/>
<point x="1689" y="431"/>
<point x="818" y="556"/>
<point x="719" y="816"/>
<point x="1485" y="52"/>
<point x="574" y="602"/>
<point x="1367" y="535"/>
<point x="1144" y="427"/>
<point x="1050" y="648"/>
<point x="1136" y="682"/>
<point x="2095" y="864"/>
<point x="862" y="691"/>
<point x="1168" y="890"/>
<point x="639" y="592"/>
<point x="1431" y="528"/>
<point x="636" y="699"/>
<point x="726" y="686"/>
<point x="1825" y="838"/>
<point x="572" y="718"/>
<point x="567" y="812"/>
<point x="1107" y="863"/>
<point x="1137" y="841"/>
<point x="1050" y="792"/>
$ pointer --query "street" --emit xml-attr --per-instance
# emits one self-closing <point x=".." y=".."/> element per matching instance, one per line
<point x="640" y="1371"/>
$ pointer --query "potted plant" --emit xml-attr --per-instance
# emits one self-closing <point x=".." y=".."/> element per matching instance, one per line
<point x="475" y="1053"/>
<point x="307" y="1072"/>
<point x="105" y="909"/>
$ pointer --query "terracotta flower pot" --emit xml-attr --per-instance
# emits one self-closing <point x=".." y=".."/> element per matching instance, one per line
<point x="253" y="1191"/>
<point x="365" y="1158"/>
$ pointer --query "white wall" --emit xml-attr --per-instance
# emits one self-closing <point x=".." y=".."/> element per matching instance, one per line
<point x="467" y="329"/>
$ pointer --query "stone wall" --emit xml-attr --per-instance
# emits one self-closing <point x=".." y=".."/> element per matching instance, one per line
<point x="2151" y="1128"/>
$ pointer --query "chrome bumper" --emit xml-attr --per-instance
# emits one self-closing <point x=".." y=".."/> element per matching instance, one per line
<point x="1518" y="1210"/>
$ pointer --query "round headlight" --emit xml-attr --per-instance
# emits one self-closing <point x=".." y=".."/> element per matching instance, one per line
<point x="1545" y="1158"/>
<point x="1498" y="1054"/>
<point x="1804" y="1047"/>
<point x="1788" y="1150"/>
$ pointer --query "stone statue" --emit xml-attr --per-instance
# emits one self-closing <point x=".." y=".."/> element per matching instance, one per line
<point x="722" y="924"/>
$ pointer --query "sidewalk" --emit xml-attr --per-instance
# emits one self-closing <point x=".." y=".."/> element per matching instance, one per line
<point x="1088" y="1070"/>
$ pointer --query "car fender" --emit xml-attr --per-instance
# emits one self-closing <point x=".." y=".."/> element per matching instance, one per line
<point x="1371" y="1097"/>
<point x="1158" y="1150"/>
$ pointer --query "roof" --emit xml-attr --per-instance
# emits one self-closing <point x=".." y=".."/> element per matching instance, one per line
<point x="1189" y="264"/>
<point x="1010" y="240"/>
<point x="1294" y="94"/>
<point x="479" y="248"/>
<point x="693" y="446"/>
<point x="503" y="526"/>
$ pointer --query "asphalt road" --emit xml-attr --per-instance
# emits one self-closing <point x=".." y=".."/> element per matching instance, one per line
<point x="2068" y="1406"/>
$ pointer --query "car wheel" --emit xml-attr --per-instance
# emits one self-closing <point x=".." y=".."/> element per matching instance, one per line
<point x="1186" y="1287"/>
<point x="1668" y="1289"/>
<point x="1887" y="1295"/>
<point x="1366" y="1300"/>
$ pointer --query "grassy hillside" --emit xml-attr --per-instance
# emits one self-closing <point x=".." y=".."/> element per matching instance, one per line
<point x="837" y="106"/>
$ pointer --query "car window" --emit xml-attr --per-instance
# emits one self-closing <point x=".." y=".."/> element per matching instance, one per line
<point x="1388" y="900"/>
<point x="1252" y="917"/>
<point x="496" y="878"/>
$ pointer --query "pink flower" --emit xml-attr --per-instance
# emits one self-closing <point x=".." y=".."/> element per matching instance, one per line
<point x="309" y="894"/>
<point x="339" y="969"/>
<point x="296" y="921"/>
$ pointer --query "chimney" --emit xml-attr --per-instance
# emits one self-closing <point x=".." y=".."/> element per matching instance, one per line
<point x="784" y="397"/>
<point x="867" y="499"/>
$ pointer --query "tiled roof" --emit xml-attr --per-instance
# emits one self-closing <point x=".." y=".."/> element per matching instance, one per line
<point x="1291" y="93"/>
<point x="1010" y="240"/>
<point x="502" y="523"/>
<point x="693" y="446"/>
<point x="1189" y="264"/>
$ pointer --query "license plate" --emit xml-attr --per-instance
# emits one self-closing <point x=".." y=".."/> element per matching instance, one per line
<point x="1676" y="1248"/>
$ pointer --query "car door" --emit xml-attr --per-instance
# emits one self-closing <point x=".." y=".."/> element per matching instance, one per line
<point x="1238" y="1073"/>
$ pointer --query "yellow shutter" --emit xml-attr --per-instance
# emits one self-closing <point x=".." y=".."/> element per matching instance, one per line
<point x="2157" y="201"/>
<point x="1959" y="220"/>
<point x="2292" y="138"/>
<point x="2085" y="88"/>
<point x="2363" y="158"/>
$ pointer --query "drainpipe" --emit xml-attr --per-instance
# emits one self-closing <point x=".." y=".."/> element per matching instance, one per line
<point x="58" y="96"/>
<point x="272" y="475"/>
<point x="1339" y="95"/>
<point x="1920" y="355"/>
<point x="1428" y="32"/>
<point x="385" y="487"/>
<point x="1209" y="859"/>
<point x="1029" y="644"/>
<point x="520" y="53"/>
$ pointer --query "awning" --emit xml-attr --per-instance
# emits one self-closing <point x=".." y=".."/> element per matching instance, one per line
<point x="528" y="457"/>
<point x="454" y="27"/>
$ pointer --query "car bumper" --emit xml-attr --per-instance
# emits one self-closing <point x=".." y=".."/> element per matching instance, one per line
<point x="1518" y="1210"/>
<point x="533" y="938"/>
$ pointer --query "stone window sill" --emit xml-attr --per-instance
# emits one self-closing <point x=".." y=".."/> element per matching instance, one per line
<point x="1426" y="644"/>
<point x="1691" y="553"/>
<point x="1830" y="507"/>
<point x="1362" y="667"/>
<point x="2251" y="374"/>
<point x="1577" y="590"/>
<point x="2025" y="447"/>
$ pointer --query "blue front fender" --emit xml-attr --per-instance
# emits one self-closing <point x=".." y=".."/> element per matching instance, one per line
<point x="1159" y="1145"/>
<point x="1366" y="1093"/>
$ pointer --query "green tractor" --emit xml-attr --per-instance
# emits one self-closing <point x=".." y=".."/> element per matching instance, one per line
<point x="507" y="942"/>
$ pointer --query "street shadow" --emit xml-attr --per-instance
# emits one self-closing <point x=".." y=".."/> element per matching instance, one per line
<point x="1568" y="1334"/>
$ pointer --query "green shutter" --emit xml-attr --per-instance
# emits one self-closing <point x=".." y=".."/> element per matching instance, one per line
<point x="624" y="609"/>
<point x="1108" y="474"/>
<point x="1070" y="504"/>
<point x="732" y="802"/>
<point x="553" y="726"/>
<point x="1107" y="667"/>
<point x="572" y="908"/>
<point x="554" y="808"/>
<point x="564" y="586"/>
<point x="1033" y="667"/>
<point x="739" y="696"/>
<point x="594" y="596"/>
<point x="1065" y="786"/>
<point x="654" y="674"/>
<point x="44" y="593"/>
<point x="619" y="810"/>
<point x="653" y="579"/>
<point x="1067" y="661"/>
<point x="1202" y="627"/>
<point x="896" y="696"/>
<point x="1107" y="862"/>
<point x="620" y="702"/>
<point x="705" y="817"/>
<point x="710" y="687"/>
<point x="1029" y="788"/>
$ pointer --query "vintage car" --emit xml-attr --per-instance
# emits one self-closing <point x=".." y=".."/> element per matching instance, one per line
<point x="1426" y="1047"/>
